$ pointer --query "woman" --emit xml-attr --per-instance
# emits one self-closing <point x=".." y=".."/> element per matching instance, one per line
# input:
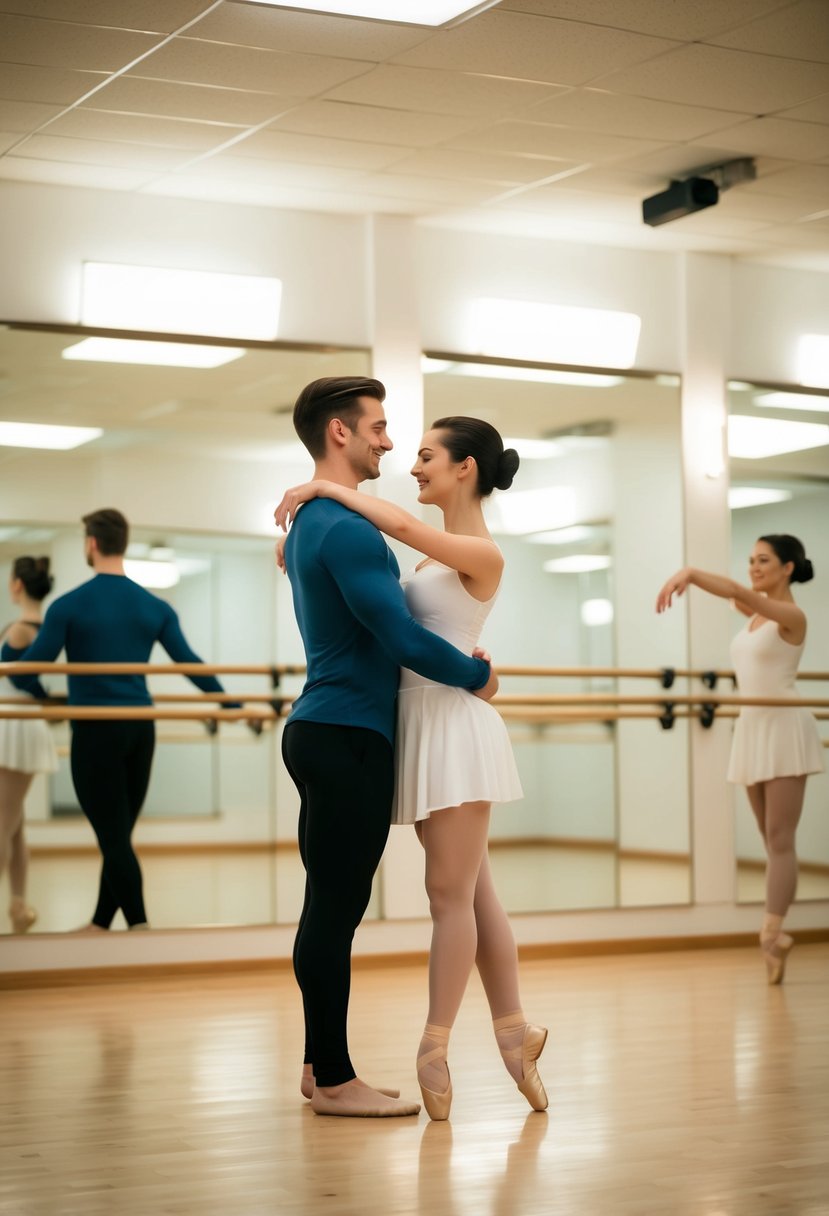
<point x="453" y="756"/>
<point x="774" y="749"/>
<point x="26" y="746"/>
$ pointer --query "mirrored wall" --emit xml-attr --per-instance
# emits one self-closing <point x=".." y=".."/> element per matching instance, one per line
<point x="779" y="478"/>
<point x="197" y="459"/>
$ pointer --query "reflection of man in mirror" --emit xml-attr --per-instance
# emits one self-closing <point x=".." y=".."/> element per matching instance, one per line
<point x="338" y="743"/>
<point x="111" y="619"/>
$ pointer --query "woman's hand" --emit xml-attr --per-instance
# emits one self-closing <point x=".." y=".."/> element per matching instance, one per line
<point x="293" y="499"/>
<point x="676" y="585"/>
<point x="280" y="554"/>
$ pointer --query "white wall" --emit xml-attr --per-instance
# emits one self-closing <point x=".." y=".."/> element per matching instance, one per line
<point x="771" y="308"/>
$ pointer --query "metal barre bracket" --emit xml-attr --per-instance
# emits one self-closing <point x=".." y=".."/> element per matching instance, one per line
<point x="706" y="714"/>
<point x="668" y="675"/>
<point x="667" y="719"/>
<point x="709" y="679"/>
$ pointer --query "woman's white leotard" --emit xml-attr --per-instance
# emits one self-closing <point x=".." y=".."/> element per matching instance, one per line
<point x="770" y="741"/>
<point x="451" y="746"/>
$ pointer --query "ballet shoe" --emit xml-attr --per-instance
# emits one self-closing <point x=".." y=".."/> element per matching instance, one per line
<point x="22" y="916"/>
<point x="528" y="1053"/>
<point x="775" y="953"/>
<point x="437" y="1105"/>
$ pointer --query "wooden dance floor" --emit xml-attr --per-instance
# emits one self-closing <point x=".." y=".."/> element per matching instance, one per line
<point x="680" y="1085"/>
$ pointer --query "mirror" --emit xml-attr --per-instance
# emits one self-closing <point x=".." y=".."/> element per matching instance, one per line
<point x="786" y="491"/>
<point x="196" y="459"/>
<point x="596" y="827"/>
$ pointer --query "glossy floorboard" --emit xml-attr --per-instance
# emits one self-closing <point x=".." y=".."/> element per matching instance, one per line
<point x="680" y="1085"/>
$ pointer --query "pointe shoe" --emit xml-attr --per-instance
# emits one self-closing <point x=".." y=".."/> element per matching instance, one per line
<point x="437" y="1105"/>
<point x="527" y="1052"/>
<point x="22" y="917"/>
<point x="775" y="953"/>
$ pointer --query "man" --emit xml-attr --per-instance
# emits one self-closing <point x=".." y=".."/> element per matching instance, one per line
<point x="338" y="742"/>
<point x="110" y="619"/>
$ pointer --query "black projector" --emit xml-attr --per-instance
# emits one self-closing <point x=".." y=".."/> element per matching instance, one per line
<point x="681" y="198"/>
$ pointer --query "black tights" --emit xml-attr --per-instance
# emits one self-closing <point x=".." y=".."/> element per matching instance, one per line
<point x="111" y="764"/>
<point x="345" y="778"/>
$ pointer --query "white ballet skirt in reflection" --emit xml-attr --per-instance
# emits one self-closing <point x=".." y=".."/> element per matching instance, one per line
<point x="451" y="747"/>
<point x="25" y="744"/>
<point x="770" y="741"/>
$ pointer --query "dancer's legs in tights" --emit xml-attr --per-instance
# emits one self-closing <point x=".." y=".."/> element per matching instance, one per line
<point x="345" y="776"/>
<point x="777" y="807"/>
<point x="14" y="785"/>
<point x="454" y="840"/>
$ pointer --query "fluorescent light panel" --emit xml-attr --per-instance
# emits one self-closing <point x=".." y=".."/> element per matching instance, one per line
<point x="793" y="401"/>
<point x="813" y="360"/>
<point x="180" y="301"/>
<point x="553" y="333"/>
<point x="535" y="449"/>
<point x="523" y="511"/>
<point x="752" y="438"/>
<point x="151" y="574"/>
<point x="577" y="563"/>
<point x="755" y="496"/>
<point x="405" y="12"/>
<point x="54" y="438"/>
<point x="562" y="536"/>
<point x="597" y="612"/>
<point x="156" y="354"/>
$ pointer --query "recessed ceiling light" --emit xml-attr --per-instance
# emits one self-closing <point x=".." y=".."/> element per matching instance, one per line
<point x="156" y="354"/>
<point x="755" y="496"/>
<point x="597" y="612"/>
<point x="538" y="375"/>
<point x="793" y="401"/>
<point x="180" y="301"/>
<point x="553" y="333"/>
<point x="752" y="438"/>
<point x="406" y="12"/>
<point x="55" y="438"/>
<point x="577" y="563"/>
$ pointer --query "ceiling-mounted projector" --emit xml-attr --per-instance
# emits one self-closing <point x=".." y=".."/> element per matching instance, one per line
<point x="681" y="198"/>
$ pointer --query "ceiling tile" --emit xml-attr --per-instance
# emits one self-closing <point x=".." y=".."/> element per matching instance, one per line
<point x="372" y="124"/>
<point x="137" y="129"/>
<point x="793" y="181"/>
<point x="541" y="139"/>
<point x="533" y="48"/>
<point x="619" y="114"/>
<point x="24" y="115"/>
<point x="683" y="160"/>
<point x="20" y="82"/>
<point x="434" y="189"/>
<point x="253" y="171"/>
<point x="720" y="223"/>
<point x="8" y="139"/>
<point x="61" y="44"/>
<point x="807" y="235"/>
<point x="486" y="166"/>
<point x="439" y="92"/>
<point x="133" y="94"/>
<point x="151" y="16"/>
<point x="798" y="31"/>
<point x="613" y="181"/>
<point x="724" y="79"/>
<point x="776" y="137"/>
<point x="279" y="146"/>
<point x="816" y="110"/>
<point x="769" y="207"/>
<point x="570" y="204"/>
<point x="53" y="173"/>
<point x="306" y="33"/>
<point x="689" y="20"/>
<point x="190" y="61"/>
<point x="218" y="189"/>
<point x="100" y="152"/>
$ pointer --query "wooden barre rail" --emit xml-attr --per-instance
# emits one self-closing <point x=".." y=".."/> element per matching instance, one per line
<point x="210" y="669"/>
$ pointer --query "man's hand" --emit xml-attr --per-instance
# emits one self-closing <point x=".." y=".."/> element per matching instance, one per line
<point x="491" y="687"/>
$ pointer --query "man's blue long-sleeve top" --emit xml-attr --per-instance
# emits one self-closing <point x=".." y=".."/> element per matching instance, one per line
<point x="110" y="619"/>
<point x="355" y="624"/>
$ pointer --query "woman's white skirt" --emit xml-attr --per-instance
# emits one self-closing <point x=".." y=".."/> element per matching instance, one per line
<point x="27" y="746"/>
<point x="451" y="747"/>
<point x="774" y="742"/>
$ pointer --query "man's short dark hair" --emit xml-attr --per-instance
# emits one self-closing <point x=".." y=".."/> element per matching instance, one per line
<point x="331" y="397"/>
<point x="110" y="530"/>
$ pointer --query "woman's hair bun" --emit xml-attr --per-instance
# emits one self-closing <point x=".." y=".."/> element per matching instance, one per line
<point x="804" y="572"/>
<point x="33" y="573"/>
<point x="508" y="463"/>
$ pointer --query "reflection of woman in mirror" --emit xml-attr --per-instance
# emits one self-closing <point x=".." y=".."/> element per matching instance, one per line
<point x="774" y="748"/>
<point x="453" y="755"/>
<point x="26" y="746"/>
